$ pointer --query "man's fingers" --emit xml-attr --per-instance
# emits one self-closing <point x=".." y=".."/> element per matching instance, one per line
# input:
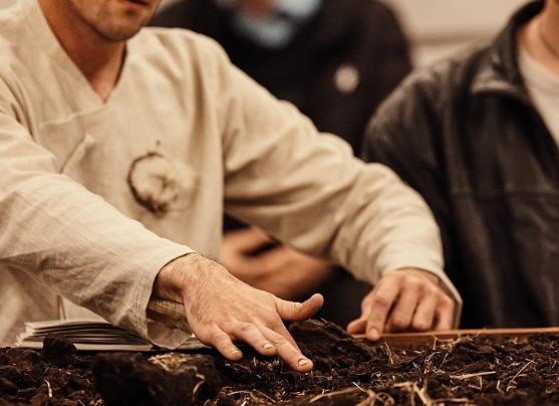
<point x="424" y="318"/>
<point x="247" y="239"/>
<point x="287" y="351"/>
<point x="403" y="312"/>
<point x="295" y="311"/>
<point x="252" y="335"/>
<point x="357" y="326"/>
<point x="223" y="343"/>
<point x="444" y="314"/>
<point x="382" y="300"/>
<point x="263" y="339"/>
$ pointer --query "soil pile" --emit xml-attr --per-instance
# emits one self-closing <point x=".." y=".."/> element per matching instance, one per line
<point x="464" y="371"/>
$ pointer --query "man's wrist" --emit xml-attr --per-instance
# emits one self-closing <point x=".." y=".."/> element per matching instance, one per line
<point x="424" y="274"/>
<point x="174" y="277"/>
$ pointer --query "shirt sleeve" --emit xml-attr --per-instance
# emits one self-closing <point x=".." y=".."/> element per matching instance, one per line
<point x="70" y="238"/>
<point x="307" y="190"/>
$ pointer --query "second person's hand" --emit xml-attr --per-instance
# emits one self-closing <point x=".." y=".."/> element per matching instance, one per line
<point x="407" y="299"/>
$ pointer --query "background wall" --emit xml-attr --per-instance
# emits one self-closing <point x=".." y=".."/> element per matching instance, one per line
<point x="440" y="27"/>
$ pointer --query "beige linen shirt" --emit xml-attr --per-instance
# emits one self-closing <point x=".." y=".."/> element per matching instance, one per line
<point x="197" y="136"/>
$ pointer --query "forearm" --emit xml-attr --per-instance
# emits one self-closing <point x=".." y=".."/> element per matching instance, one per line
<point x="82" y="247"/>
<point x="385" y="225"/>
<point x="315" y="196"/>
<point x="307" y="190"/>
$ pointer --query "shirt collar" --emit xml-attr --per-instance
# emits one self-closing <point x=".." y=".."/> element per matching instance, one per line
<point x="499" y="71"/>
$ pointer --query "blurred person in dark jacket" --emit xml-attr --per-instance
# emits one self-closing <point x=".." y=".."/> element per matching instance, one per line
<point x="336" y="61"/>
<point x="477" y="136"/>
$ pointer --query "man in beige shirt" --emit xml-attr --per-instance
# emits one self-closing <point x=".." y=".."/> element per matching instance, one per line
<point x="119" y="153"/>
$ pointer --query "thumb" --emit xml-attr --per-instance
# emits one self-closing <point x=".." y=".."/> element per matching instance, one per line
<point x="296" y="311"/>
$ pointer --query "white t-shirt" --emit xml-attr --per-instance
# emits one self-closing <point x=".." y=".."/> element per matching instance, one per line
<point x="543" y="87"/>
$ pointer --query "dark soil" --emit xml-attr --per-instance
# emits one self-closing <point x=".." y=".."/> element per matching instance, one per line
<point x="468" y="370"/>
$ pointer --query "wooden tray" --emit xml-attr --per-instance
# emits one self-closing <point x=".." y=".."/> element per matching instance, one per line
<point x="398" y="339"/>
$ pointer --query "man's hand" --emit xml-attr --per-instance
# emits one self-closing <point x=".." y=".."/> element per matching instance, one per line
<point x="279" y="270"/>
<point x="408" y="299"/>
<point x="221" y="309"/>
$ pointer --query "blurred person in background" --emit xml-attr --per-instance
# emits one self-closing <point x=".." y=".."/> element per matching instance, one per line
<point x="477" y="136"/>
<point x="336" y="61"/>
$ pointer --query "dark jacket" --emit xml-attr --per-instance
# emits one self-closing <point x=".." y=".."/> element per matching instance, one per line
<point x="363" y="35"/>
<point x="466" y="135"/>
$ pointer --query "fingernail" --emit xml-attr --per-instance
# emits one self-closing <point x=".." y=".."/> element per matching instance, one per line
<point x="373" y="334"/>
<point x="268" y="346"/>
<point x="303" y="362"/>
